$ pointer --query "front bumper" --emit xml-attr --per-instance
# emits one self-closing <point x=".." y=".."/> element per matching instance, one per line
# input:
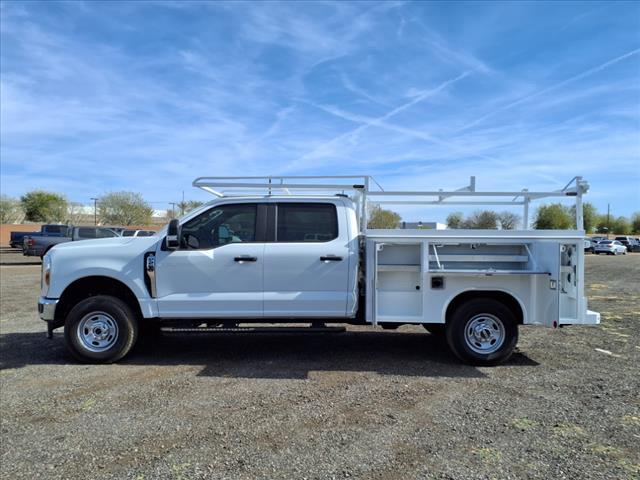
<point x="47" y="308"/>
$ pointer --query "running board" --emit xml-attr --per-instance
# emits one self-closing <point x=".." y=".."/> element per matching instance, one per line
<point x="252" y="329"/>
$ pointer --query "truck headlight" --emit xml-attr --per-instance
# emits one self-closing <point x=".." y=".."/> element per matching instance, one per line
<point x="46" y="273"/>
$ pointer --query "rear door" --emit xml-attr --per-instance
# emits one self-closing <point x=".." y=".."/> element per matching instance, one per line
<point x="306" y="263"/>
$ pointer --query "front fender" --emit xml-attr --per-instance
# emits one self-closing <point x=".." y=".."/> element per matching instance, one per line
<point x="134" y="283"/>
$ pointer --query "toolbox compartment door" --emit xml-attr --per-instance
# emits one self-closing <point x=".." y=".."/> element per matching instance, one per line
<point x="545" y="289"/>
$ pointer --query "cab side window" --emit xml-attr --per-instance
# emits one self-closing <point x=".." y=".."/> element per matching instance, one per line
<point x="235" y="223"/>
<point x="306" y="222"/>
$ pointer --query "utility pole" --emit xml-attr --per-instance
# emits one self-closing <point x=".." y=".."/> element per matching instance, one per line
<point x="95" y="210"/>
<point x="182" y="204"/>
<point x="173" y="209"/>
<point x="608" y="222"/>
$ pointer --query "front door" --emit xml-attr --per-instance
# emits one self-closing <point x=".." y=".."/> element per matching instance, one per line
<point x="306" y="270"/>
<point x="218" y="269"/>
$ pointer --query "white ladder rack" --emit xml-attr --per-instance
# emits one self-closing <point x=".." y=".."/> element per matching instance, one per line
<point x="365" y="187"/>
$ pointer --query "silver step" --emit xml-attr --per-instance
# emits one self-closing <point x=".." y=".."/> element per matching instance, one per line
<point x="252" y="329"/>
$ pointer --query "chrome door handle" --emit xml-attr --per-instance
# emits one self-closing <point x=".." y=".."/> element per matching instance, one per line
<point x="245" y="258"/>
<point x="330" y="258"/>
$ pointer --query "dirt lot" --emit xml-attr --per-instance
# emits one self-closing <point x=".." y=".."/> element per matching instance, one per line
<point x="373" y="404"/>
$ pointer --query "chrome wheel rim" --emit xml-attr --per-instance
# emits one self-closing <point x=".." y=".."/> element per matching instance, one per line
<point x="97" y="331"/>
<point x="484" y="333"/>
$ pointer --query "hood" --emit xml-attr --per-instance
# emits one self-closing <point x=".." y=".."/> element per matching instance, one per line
<point x="108" y="244"/>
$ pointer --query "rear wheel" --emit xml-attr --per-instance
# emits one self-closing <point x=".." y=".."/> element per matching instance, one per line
<point x="100" y="329"/>
<point x="482" y="331"/>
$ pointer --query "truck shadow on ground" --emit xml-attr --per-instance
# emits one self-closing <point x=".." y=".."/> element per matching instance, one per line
<point x="271" y="356"/>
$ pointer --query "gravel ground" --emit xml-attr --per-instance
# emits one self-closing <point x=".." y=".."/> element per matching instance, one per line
<point x="361" y="404"/>
<point x="14" y="256"/>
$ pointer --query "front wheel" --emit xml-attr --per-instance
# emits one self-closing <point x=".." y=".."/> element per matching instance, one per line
<point x="482" y="331"/>
<point x="100" y="329"/>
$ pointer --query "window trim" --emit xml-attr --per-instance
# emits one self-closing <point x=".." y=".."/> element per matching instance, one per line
<point x="260" y="225"/>
<point x="305" y="204"/>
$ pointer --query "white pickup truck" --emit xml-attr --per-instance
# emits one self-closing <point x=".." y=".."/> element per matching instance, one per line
<point x="281" y="256"/>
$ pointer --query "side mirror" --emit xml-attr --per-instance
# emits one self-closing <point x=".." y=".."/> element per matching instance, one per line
<point x="172" y="241"/>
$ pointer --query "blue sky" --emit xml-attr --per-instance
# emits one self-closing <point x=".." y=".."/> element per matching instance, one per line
<point x="145" y="96"/>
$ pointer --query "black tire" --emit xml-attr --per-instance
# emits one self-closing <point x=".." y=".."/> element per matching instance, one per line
<point x="436" y="329"/>
<point x="492" y="319"/>
<point x="88" y="317"/>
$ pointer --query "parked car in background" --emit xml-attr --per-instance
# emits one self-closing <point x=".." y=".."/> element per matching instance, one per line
<point x="39" y="246"/>
<point x="590" y="244"/>
<point x="49" y="230"/>
<point x="137" y="233"/>
<point x="634" y="245"/>
<point x="610" y="247"/>
<point x="627" y="242"/>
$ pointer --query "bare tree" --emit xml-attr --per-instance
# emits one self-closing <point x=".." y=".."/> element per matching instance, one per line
<point x="11" y="210"/>
<point x="508" y="220"/>
<point x="76" y="214"/>
<point x="482" y="219"/>
<point x="124" y="208"/>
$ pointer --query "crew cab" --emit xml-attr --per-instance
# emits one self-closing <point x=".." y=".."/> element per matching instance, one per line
<point x="49" y="230"/>
<point x="309" y="259"/>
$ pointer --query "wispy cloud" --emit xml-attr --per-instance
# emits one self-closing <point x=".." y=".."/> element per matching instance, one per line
<point x="352" y="87"/>
<point x="145" y="96"/>
<point x="556" y="86"/>
<point x="352" y="135"/>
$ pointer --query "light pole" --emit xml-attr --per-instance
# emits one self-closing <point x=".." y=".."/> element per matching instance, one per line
<point x="95" y="210"/>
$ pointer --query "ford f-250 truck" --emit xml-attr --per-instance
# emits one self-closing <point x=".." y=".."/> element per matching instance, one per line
<point x="280" y="256"/>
